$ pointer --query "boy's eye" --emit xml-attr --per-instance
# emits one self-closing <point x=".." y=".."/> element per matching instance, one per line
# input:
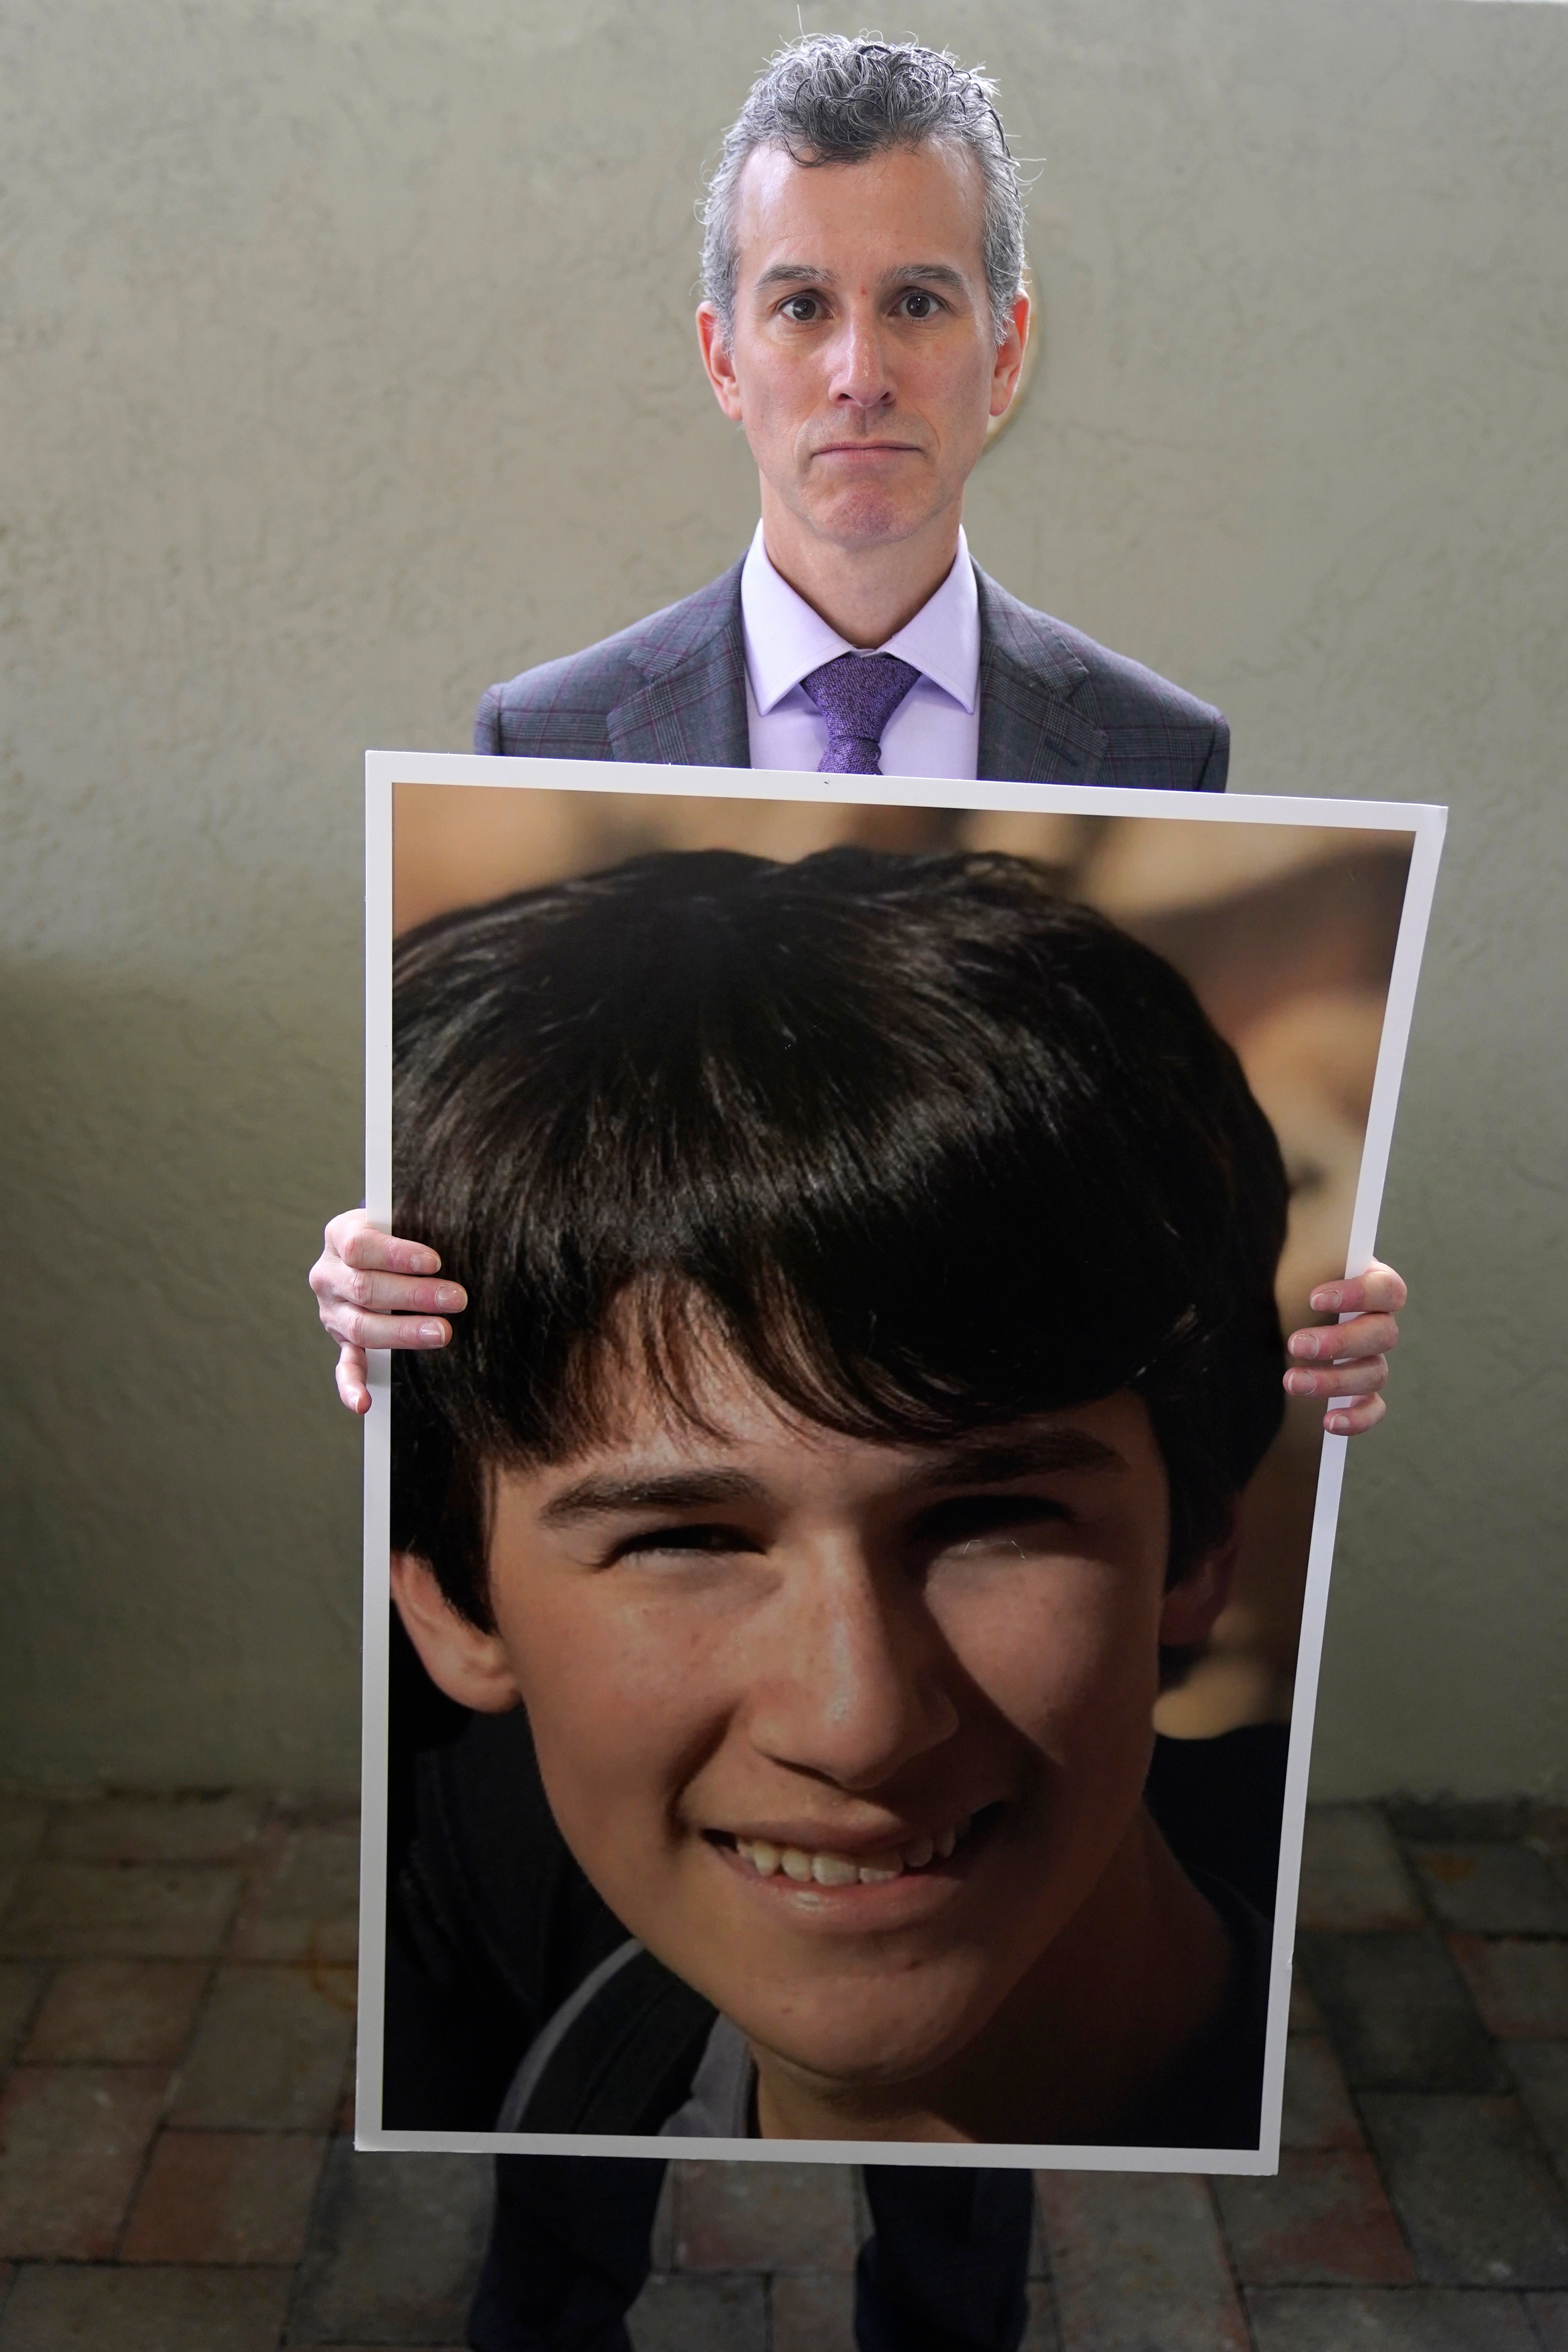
<point x="918" y="305"/>
<point x="800" y="309"/>
<point x="700" y="1536"/>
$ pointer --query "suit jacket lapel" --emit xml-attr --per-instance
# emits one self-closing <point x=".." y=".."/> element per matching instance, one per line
<point x="1029" y="733"/>
<point x="690" y="708"/>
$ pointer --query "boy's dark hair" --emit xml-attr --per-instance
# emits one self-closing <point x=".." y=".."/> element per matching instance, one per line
<point x="928" y="1148"/>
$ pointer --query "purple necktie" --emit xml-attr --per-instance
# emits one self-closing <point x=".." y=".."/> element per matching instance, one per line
<point x="858" y="694"/>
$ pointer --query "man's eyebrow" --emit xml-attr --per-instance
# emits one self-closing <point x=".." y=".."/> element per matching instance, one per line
<point x="929" y="273"/>
<point x="674" y="1490"/>
<point x="794" y="273"/>
<point x="806" y="273"/>
<point x="987" y="1460"/>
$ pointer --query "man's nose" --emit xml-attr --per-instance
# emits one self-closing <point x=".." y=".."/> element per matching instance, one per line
<point x="861" y="376"/>
<point x="852" y="1679"/>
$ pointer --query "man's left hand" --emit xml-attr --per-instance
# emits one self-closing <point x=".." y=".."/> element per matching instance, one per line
<point x="1353" y="1356"/>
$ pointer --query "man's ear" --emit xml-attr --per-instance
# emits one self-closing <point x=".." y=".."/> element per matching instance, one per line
<point x="718" y="361"/>
<point x="1187" y="1617"/>
<point x="472" y="1667"/>
<point x="1009" y="362"/>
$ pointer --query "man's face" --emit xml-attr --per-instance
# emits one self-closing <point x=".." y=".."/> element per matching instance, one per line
<point x="863" y="362"/>
<point x="845" y="1733"/>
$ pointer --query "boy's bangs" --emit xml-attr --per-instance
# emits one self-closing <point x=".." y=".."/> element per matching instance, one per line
<point x="667" y="1346"/>
<point x="917" y="1147"/>
<point x="877" y="1340"/>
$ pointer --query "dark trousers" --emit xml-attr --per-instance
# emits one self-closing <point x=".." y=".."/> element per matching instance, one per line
<point x="569" y="2253"/>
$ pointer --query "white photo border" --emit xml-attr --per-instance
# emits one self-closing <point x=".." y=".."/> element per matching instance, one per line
<point x="1426" y="823"/>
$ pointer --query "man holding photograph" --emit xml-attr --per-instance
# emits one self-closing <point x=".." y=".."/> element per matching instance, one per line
<point x="864" y="320"/>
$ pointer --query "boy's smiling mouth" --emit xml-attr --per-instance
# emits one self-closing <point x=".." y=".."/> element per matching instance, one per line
<point x="823" y="1867"/>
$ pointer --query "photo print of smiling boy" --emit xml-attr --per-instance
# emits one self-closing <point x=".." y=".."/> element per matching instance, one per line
<point x="872" y="1332"/>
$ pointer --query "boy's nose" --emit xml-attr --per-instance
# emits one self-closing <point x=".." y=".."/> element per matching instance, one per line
<point x="851" y="1682"/>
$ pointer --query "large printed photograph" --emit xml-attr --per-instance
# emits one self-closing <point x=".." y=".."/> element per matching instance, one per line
<point x="842" y="1619"/>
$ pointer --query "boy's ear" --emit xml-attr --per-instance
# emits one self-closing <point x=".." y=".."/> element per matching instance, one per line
<point x="1187" y="1617"/>
<point x="469" y="1665"/>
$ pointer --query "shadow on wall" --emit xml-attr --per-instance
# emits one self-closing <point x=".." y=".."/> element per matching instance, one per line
<point x="171" y="1153"/>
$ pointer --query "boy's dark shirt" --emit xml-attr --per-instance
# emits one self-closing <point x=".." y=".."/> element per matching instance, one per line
<point x="491" y="1925"/>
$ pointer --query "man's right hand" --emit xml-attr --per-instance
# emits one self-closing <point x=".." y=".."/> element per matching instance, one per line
<point x="376" y="1291"/>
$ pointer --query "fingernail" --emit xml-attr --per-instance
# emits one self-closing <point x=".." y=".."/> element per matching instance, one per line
<point x="1299" y="1383"/>
<point x="448" y="1294"/>
<point x="1303" y="1343"/>
<point x="1323" y="1298"/>
<point x="435" y="1333"/>
<point x="1339" y="1424"/>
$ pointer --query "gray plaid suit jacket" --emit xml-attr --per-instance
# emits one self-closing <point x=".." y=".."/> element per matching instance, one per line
<point x="1055" y="707"/>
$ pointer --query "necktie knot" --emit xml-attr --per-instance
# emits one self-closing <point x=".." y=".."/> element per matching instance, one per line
<point x="858" y="694"/>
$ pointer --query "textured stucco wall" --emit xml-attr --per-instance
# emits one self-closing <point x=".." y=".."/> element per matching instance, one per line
<point x="348" y="366"/>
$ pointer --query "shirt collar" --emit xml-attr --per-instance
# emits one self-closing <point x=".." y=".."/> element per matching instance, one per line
<point x="785" y="639"/>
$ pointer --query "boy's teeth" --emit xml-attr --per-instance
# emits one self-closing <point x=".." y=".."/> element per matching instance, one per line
<point x="834" y="1870"/>
<point x="837" y="1869"/>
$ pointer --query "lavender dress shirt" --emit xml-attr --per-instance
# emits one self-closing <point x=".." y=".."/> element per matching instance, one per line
<point x="934" y="731"/>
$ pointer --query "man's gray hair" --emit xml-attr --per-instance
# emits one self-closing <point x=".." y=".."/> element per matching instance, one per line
<point x="829" y="98"/>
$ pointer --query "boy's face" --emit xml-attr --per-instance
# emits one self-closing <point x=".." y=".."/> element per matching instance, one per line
<point x="844" y="1732"/>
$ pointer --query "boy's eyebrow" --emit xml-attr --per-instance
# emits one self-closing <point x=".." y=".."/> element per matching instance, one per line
<point x="984" y="1460"/>
<point x="674" y="1490"/>
<point x="992" y="1459"/>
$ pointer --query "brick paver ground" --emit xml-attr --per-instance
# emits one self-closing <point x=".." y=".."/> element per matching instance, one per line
<point x="177" y="2007"/>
